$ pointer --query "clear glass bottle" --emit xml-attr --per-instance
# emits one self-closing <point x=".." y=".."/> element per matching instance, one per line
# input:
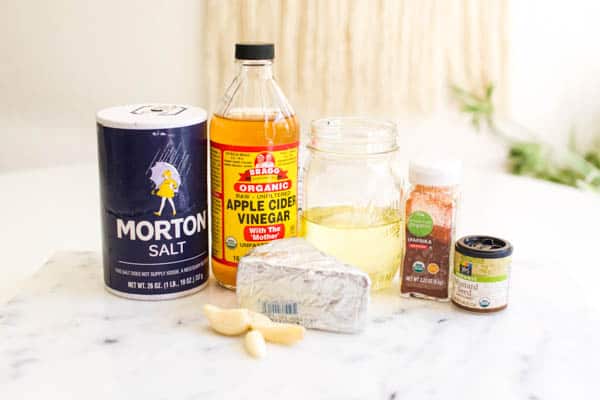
<point x="431" y="205"/>
<point x="254" y="163"/>
<point x="351" y="196"/>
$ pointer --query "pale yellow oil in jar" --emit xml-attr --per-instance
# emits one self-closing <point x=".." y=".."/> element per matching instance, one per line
<point x="368" y="238"/>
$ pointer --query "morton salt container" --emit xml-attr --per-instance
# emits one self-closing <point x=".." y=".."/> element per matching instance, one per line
<point x="153" y="196"/>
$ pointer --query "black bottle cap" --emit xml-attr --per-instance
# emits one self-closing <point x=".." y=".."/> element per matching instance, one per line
<point x="483" y="247"/>
<point x="254" y="51"/>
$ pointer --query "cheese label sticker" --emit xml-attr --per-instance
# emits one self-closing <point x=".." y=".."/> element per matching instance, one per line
<point x="253" y="197"/>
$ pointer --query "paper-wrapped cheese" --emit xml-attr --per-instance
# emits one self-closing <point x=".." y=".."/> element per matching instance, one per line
<point x="291" y="281"/>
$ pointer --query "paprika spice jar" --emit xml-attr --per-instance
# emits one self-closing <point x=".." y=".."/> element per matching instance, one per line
<point x="430" y="211"/>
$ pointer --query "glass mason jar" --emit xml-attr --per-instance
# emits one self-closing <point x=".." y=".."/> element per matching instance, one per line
<point x="351" y="200"/>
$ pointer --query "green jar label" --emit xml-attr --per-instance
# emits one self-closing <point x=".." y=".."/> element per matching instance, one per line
<point x="420" y="224"/>
<point x="480" y="283"/>
<point x="482" y="270"/>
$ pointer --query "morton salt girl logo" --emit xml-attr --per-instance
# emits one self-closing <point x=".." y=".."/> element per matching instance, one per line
<point x="260" y="178"/>
<point x="169" y="234"/>
<point x="166" y="181"/>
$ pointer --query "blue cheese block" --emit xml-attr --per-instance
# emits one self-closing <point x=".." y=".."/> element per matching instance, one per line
<point x="291" y="281"/>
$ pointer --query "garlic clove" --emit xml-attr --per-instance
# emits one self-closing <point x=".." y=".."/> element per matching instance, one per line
<point x="255" y="344"/>
<point x="229" y="322"/>
<point x="258" y="319"/>
<point x="280" y="332"/>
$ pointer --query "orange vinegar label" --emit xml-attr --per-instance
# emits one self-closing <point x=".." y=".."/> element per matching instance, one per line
<point x="254" y="192"/>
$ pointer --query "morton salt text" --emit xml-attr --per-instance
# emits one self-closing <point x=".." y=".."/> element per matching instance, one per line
<point x="162" y="230"/>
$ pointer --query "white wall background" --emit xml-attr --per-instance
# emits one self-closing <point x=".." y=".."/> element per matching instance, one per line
<point x="62" y="60"/>
<point x="555" y="67"/>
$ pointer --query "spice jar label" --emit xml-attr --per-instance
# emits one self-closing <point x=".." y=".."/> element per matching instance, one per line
<point x="420" y="224"/>
<point x="253" y="197"/>
<point x="426" y="268"/>
<point x="480" y="283"/>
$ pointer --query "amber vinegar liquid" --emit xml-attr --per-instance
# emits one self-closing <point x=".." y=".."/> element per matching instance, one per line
<point x="252" y="128"/>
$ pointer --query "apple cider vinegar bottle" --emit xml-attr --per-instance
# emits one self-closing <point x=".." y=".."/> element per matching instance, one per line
<point x="254" y="138"/>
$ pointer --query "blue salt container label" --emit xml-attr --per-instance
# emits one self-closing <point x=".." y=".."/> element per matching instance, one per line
<point x="153" y="189"/>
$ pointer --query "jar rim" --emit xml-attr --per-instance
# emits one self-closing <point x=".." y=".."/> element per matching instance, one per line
<point x="353" y="135"/>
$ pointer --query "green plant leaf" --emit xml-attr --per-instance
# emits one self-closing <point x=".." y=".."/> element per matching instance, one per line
<point x="534" y="157"/>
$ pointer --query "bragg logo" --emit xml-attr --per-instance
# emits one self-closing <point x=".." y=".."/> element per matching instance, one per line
<point x="264" y="177"/>
<point x="264" y="160"/>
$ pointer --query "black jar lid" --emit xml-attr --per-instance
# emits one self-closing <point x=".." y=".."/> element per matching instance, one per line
<point x="483" y="247"/>
<point x="254" y="51"/>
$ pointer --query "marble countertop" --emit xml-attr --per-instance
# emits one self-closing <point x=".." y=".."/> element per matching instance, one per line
<point x="62" y="336"/>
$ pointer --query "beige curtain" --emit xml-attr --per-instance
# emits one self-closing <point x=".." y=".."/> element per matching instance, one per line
<point x="376" y="57"/>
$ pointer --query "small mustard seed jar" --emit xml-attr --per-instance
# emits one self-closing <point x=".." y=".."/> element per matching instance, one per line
<point x="481" y="273"/>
